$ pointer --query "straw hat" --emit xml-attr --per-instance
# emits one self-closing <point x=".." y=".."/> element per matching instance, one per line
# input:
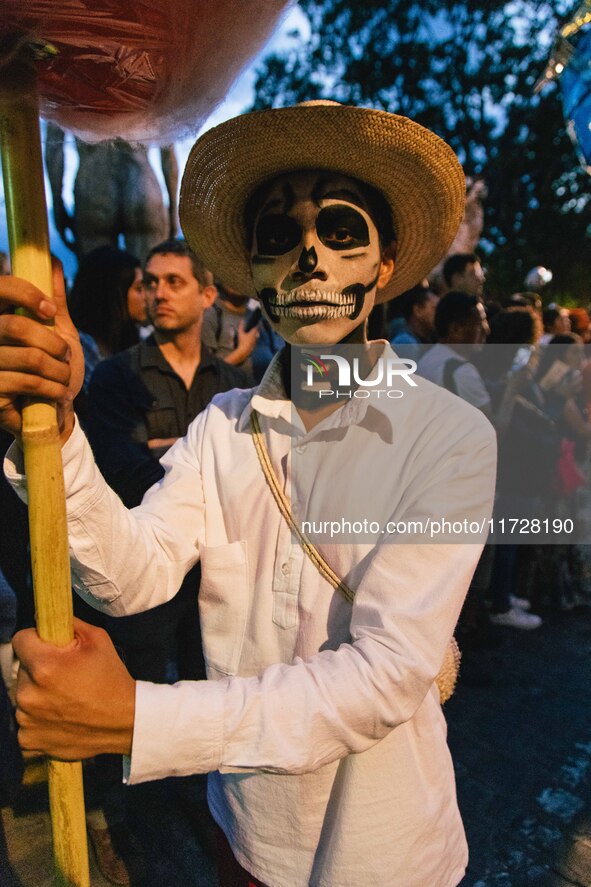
<point x="417" y="172"/>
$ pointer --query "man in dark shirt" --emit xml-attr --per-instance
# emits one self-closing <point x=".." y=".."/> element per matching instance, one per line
<point x="140" y="402"/>
<point x="144" y="398"/>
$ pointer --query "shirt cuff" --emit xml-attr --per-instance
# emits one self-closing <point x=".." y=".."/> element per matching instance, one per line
<point x="14" y="460"/>
<point x="14" y="470"/>
<point x="178" y="730"/>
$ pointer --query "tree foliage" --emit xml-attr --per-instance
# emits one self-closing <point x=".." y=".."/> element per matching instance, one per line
<point x="466" y="71"/>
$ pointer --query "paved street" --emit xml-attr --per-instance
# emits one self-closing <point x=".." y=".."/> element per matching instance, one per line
<point x="522" y="749"/>
<point x="523" y="759"/>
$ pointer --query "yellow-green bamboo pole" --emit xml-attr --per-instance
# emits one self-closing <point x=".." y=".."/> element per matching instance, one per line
<point x="22" y="171"/>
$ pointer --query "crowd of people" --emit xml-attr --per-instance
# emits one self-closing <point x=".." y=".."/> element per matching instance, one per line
<point x="161" y="339"/>
<point x="527" y="368"/>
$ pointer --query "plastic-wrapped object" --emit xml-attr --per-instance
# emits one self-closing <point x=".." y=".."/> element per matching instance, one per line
<point x="144" y="70"/>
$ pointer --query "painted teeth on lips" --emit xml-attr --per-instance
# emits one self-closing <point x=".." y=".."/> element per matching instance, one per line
<point x="327" y="312"/>
<point x="317" y="297"/>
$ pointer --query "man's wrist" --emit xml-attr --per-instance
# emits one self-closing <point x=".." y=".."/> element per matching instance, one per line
<point x="236" y="357"/>
<point x="124" y="740"/>
<point x="67" y="426"/>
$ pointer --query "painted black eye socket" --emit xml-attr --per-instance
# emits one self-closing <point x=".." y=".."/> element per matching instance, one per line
<point x="277" y="234"/>
<point x="342" y="227"/>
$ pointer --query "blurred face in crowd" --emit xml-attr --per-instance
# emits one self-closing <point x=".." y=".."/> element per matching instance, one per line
<point x="136" y="299"/>
<point x="423" y="316"/>
<point x="175" y="299"/>
<point x="470" y="280"/>
<point x="316" y="257"/>
<point x="474" y="331"/>
<point x="561" y="324"/>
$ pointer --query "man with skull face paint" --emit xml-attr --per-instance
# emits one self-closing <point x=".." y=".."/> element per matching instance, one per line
<point x="311" y="226"/>
<point x="320" y="723"/>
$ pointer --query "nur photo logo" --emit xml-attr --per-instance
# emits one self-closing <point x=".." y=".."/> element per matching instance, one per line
<point x="349" y="376"/>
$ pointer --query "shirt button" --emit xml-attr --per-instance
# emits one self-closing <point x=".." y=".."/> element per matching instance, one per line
<point x="301" y="449"/>
<point x="285" y="568"/>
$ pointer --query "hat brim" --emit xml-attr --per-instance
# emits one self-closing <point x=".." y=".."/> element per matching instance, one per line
<point x="416" y="171"/>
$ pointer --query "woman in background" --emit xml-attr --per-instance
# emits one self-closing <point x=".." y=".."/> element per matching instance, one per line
<point x="107" y="304"/>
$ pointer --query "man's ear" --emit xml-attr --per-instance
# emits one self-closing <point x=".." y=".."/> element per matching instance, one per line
<point x="387" y="265"/>
<point x="209" y="294"/>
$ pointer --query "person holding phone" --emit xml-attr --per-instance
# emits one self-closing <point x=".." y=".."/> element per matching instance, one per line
<point x="231" y="328"/>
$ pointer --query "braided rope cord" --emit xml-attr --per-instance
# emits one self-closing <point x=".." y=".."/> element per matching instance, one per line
<point x="447" y="678"/>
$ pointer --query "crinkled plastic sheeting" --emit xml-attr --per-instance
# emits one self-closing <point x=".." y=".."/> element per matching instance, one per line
<point x="143" y="70"/>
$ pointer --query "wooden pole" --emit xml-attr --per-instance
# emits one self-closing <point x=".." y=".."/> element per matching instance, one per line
<point x="22" y="171"/>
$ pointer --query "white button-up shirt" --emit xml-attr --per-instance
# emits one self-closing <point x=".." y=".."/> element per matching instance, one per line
<point x="320" y="724"/>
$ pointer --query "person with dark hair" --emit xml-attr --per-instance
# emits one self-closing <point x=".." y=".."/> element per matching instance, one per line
<point x="460" y="321"/>
<point x="106" y="304"/>
<point x="461" y="327"/>
<point x="103" y="299"/>
<point x="224" y="330"/>
<point x="463" y="271"/>
<point x="419" y="306"/>
<point x="505" y="365"/>
<point x="527" y="300"/>
<point x="556" y="322"/>
<point x="515" y="325"/>
<point x="176" y="246"/>
<point x="320" y="723"/>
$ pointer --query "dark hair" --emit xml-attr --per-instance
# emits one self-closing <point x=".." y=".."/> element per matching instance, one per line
<point x="179" y="247"/>
<point x="513" y="326"/>
<point x="549" y="316"/>
<point x="414" y="298"/>
<point x="455" y="307"/>
<point x="98" y="298"/>
<point x="456" y="264"/>
<point x="510" y="326"/>
<point x="377" y="205"/>
<point x="532" y="300"/>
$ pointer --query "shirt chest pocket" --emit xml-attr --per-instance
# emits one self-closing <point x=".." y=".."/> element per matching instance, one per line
<point x="162" y="422"/>
<point x="224" y="597"/>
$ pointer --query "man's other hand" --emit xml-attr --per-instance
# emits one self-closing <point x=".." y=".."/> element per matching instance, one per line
<point x="37" y="360"/>
<point x="76" y="701"/>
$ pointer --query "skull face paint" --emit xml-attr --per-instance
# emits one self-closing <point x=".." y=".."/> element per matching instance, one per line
<point x="316" y="256"/>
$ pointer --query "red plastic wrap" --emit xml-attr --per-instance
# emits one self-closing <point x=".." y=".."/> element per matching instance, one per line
<point x="143" y="70"/>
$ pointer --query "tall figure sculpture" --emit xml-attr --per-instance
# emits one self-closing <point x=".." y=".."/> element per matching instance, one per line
<point x="116" y="192"/>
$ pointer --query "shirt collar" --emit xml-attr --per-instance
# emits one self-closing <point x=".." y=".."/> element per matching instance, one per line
<point x="269" y="398"/>
<point x="151" y="356"/>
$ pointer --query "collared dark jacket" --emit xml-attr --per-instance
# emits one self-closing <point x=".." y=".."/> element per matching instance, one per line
<point x="136" y="396"/>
